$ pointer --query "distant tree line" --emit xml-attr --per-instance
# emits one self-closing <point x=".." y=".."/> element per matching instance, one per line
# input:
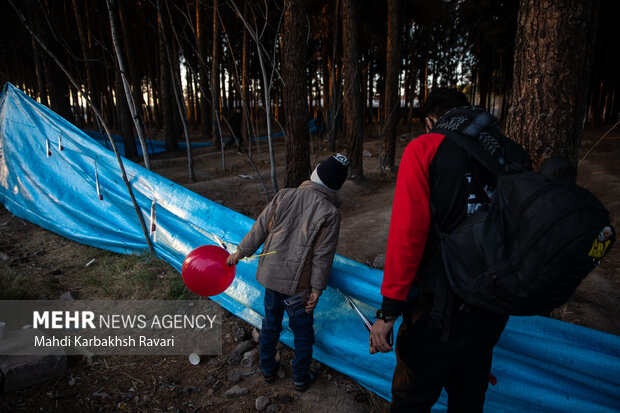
<point x="190" y="63"/>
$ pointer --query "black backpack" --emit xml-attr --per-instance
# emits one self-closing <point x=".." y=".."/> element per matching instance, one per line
<point x="526" y="252"/>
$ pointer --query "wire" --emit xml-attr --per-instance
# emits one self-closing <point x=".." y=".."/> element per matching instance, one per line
<point x="597" y="142"/>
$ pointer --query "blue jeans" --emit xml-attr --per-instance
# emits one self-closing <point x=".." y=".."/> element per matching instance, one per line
<point x="302" y="326"/>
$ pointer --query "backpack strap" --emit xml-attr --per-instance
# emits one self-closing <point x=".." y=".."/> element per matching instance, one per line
<point x="442" y="308"/>
<point x="474" y="149"/>
<point x="443" y="300"/>
<point x="474" y="130"/>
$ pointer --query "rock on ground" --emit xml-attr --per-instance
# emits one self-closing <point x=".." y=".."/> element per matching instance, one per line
<point x="261" y="403"/>
<point x="236" y="391"/>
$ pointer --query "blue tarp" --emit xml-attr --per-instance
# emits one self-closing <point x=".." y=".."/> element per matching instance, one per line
<point x="541" y="364"/>
<point x="152" y="146"/>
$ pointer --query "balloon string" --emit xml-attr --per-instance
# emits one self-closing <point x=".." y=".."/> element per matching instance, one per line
<point x="259" y="255"/>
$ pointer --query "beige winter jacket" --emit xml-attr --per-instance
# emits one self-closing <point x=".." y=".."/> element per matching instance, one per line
<point x="302" y="226"/>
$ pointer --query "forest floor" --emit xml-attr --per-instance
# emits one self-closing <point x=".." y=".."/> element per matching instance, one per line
<point x="35" y="263"/>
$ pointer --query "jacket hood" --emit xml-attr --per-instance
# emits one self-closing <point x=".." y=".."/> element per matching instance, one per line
<point x="335" y="199"/>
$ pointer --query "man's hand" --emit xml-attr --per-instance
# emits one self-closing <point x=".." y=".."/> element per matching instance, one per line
<point x="378" y="336"/>
<point x="313" y="299"/>
<point x="233" y="259"/>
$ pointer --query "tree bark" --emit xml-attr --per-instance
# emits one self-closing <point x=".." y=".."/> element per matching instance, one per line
<point x="553" y="55"/>
<point x="215" y="77"/>
<point x="189" y="81"/>
<point x="203" y="75"/>
<point x="295" y="102"/>
<point x="392" y="93"/>
<point x="128" y="93"/>
<point x="57" y="88"/>
<point x="134" y="77"/>
<point x="353" y="116"/>
<point x="333" y="83"/>
<point x="245" y="61"/>
<point x="178" y="95"/>
<point x="38" y="65"/>
<point x="484" y="73"/>
<point x="124" y="117"/>
<point x="325" y="77"/>
<point x="165" y="92"/>
<point x="86" y="53"/>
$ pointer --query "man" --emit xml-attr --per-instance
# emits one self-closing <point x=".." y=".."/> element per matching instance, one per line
<point x="299" y="228"/>
<point x="437" y="185"/>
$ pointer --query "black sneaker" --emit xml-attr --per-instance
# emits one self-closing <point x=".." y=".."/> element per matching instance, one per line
<point x="302" y="386"/>
<point x="273" y="376"/>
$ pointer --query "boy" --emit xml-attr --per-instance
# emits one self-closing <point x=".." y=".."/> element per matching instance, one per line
<point x="300" y="227"/>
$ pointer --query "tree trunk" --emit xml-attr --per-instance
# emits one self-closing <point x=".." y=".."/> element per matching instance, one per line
<point x="57" y="88"/>
<point x="364" y="80"/>
<point x="108" y="97"/>
<point x="86" y="52"/>
<point x="124" y="118"/>
<point x="392" y="93"/>
<point x="165" y="92"/>
<point x="38" y="65"/>
<point x="484" y="73"/>
<point x="295" y="102"/>
<point x="245" y="61"/>
<point x="325" y="76"/>
<point x="370" y="94"/>
<point x="553" y="53"/>
<point x="424" y="79"/>
<point x="203" y="75"/>
<point x="191" y="113"/>
<point x="128" y="93"/>
<point x="413" y="93"/>
<point x="353" y="116"/>
<point x="177" y="91"/>
<point x="58" y="91"/>
<point x="215" y="78"/>
<point x="334" y="80"/>
<point x="134" y="76"/>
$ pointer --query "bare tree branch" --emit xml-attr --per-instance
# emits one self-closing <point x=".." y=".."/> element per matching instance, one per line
<point x="178" y="98"/>
<point x="128" y="93"/>
<point x="100" y="117"/>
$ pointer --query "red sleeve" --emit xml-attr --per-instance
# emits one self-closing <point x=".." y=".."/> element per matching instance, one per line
<point x="411" y="217"/>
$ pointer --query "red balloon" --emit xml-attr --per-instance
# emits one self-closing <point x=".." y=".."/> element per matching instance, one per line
<point x="205" y="271"/>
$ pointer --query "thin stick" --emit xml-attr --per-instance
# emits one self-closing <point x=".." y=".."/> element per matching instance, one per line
<point x="597" y="142"/>
<point x="268" y="83"/>
<point x="128" y="93"/>
<point x="175" y="88"/>
<point x="258" y="255"/>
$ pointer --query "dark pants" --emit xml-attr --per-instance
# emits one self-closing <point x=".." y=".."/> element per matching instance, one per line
<point x="425" y="364"/>
<point x="302" y="326"/>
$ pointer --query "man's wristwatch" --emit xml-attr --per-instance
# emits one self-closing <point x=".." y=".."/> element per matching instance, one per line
<point x="386" y="318"/>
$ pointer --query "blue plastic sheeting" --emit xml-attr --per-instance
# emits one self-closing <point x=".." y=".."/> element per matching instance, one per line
<point x="152" y="146"/>
<point x="541" y="364"/>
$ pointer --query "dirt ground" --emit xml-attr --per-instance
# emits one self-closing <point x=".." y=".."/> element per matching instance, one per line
<point x="36" y="263"/>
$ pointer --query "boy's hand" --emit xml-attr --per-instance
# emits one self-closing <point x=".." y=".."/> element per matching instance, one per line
<point x="233" y="259"/>
<point x="313" y="299"/>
